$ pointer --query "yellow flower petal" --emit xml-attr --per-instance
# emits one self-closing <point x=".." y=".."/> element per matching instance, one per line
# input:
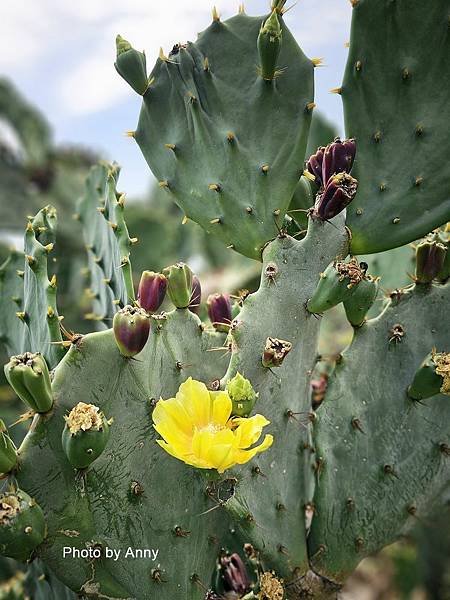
<point x="243" y="456"/>
<point x="171" y="413"/>
<point x="195" y="399"/>
<point x="222" y="407"/>
<point x="248" y="429"/>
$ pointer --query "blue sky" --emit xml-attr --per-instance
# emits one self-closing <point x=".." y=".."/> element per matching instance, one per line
<point x="60" y="54"/>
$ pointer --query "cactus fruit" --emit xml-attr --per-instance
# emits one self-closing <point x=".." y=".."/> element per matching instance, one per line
<point x="234" y="574"/>
<point x="338" y="157"/>
<point x="432" y="377"/>
<point x="131" y="327"/>
<point x="29" y="377"/>
<point x="179" y="284"/>
<point x="152" y="291"/>
<point x="337" y="195"/>
<point x="358" y="304"/>
<point x="430" y="259"/>
<point x="360" y="447"/>
<point x="85" y="435"/>
<point x="22" y="525"/>
<point x="337" y="283"/>
<point x="219" y="311"/>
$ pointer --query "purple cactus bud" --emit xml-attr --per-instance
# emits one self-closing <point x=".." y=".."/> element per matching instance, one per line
<point x="219" y="311"/>
<point x="338" y="193"/>
<point x="131" y="328"/>
<point x="314" y="165"/>
<point x="338" y="157"/>
<point x="234" y="574"/>
<point x="430" y="257"/>
<point x="196" y="295"/>
<point x="152" y="290"/>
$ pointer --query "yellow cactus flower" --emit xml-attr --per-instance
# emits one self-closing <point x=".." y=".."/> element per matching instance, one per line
<point x="198" y="429"/>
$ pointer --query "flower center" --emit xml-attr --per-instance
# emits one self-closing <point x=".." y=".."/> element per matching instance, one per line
<point x="212" y="428"/>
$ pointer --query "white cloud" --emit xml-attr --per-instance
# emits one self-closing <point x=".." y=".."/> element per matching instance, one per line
<point x="74" y="40"/>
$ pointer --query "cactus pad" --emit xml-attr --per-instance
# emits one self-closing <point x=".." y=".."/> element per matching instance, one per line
<point x="227" y="145"/>
<point x="395" y="97"/>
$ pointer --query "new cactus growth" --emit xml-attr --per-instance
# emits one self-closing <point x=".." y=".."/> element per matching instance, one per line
<point x="269" y="45"/>
<point x="131" y="65"/>
<point x="225" y="435"/>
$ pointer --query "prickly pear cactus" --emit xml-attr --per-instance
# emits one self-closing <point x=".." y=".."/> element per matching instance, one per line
<point x="147" y="469"/>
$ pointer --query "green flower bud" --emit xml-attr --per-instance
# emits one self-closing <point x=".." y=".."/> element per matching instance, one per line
<point x="432" y="377"/>
<point x="29" y="377"/>
<point x="85" y="435"/>
<point x="269" y="45"/>
<point x="242" y="395"/>
<point x="357" y="305"/>
<point x="180" y="278"/>
<point x="131" y="65"/>
<point x="8" y="455"/>
<point x="22" y="525"/>
<point x="336" y="284"/>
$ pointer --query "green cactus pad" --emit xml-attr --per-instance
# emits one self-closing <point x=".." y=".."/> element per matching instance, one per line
<point x="101" y="213"/>
<point x="123" y="498"/>
<point x="395" y="96"/>
<point x="384" y="455"/>
<point x="269" y="506"/>
<point x="225" y="144"/>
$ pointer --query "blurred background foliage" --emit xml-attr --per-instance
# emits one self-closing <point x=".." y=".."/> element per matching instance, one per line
<point x="35" y="172"/>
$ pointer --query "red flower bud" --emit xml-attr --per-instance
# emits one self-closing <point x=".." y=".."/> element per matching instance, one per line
<point x="152" y="290"/>
<point x="219" y="311"/>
